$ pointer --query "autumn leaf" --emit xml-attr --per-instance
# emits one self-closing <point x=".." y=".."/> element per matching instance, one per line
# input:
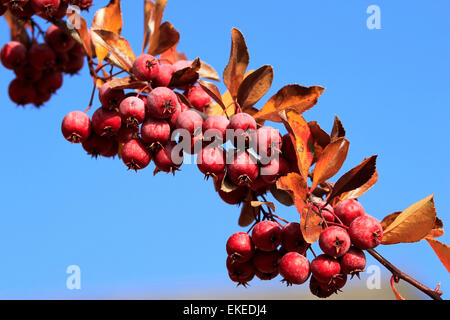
<point x="208" y="72"/>
<point x="254" y="87"/>
<point x="358" y="192"/>
<point x="78" y="29"/>
<point x="330" y="161"/>
<point x="108" y="18"/>
<point x="413" y="224"/>
<point x="282" y="196"/>
<point x="126" y="83"/>
<point x="338" y="129"/>
<point x="17" y="28"/>
<point x="154" y="25"/>
<point x="354" y="178"/>
<point x="301" y="138"/>
<point x="234" y="72"/>
<point x="257" y="204"/>
<point x="217" y="109"/>
<point x="213" y="92"/>
<point x="172" y="55"/>
<point x="442" y="251"/>
<point x="149" y="12"/>
<point x="294" y="184"/>
<point x="293" y="97"/>
<point x="168" y="37"/>
<point x="116" y="46"/>
<point x="436" y="231"/>
<point x="248" y="212"/>
<point x="321" y="138"/>
<point x="310" y="224"/>
<point x="186" y="76"/>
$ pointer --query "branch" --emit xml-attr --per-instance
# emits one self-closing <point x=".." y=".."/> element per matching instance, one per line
<point x="434" y="294"/>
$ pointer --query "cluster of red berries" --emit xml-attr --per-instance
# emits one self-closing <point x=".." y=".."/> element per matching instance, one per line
<point x="342" y="244"/>
<point x="143" y="127"/>
<point x="39" y="67"/>
<point x="48" y="9"/>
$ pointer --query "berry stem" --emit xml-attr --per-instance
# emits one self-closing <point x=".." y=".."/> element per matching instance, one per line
<point x="92" y="98"/>
<point x="434" y="294"/>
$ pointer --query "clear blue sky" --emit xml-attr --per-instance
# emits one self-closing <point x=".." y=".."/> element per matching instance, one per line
<point x="136" y="235"/>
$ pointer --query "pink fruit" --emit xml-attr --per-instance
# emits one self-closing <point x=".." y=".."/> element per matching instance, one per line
<point x="145" y="67"/>
<point x="266" y="235"/>
<point x="215" y="126"/>
<point x="76" y="126"/>
<point x="259" y="186"/>
<point x="167" y="159"/>
<point x="242" y="273"/>
<point x="50" y="82"/>
<point x="41" y="98"/>
<point x="181" y="64"/>
<point x="13" y="55"/>
<point x="41" y="56"/>
<point x="132" y="111"/>
<point x="334" y="241"/>
<point x="324" y="268"/>
<point x="96" y="146"/>
<point x="288" y="149"/>
<point x="111" y="98"/>
<point x="106" y="123"/>
<point x="155" y="131"/>
<point x="294" y="268"/>
<point x="127" y="133"/>
<point x="198" y="98"/>
<point x="366" y="232"/>
<point x="135" y="155"/>
<point x="45" y="8"/>
<point x="319" y="289"/>
<point x="269" y="141"/>
<point x="276" y="168"/>
<point x="211" y="161"/>
<point x="21" y="9"/>
<point x="353" y="262"/>
<point x="2" y="9"/>
<point x="266" y="262"/>
<point x="266" y="276"/>
<point x="21" y="92"/>
<point x="62" y="10"/>
<point x="164" y="75"/>
<point x="292" y="238"/>
<point x="240" y="247"/>
<point x="59" y="40"/>
<point x="74" y="64"/>
<point x="241" y="127"/>
<point x="243" y="170"/>
<point x="348" y="210"/>
<point x="162" y="103"/>
<point x="190" y="121"/>
<point x="27" y="73"/>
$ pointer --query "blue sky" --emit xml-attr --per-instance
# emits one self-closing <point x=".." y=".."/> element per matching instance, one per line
<point x="139" y="235"/>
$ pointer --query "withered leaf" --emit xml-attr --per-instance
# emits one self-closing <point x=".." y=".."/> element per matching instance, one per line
<point x="301" y="138"/>
<point x="330" y="161"/>
<point x="413" y="224"/>
<point x="172" y="55"/>
<point x="442" y="251"/>
<point x="237" y="65"/>
<point x="154" y="24"/>
<point x="17" y="28"/>
<point x="295" y="185"/>
<point x="108" y="18"/>
<point x="182" y="98"/>
<point x="254" y="87"/>
<point x="117" y="46"/>
<point x="281" y="196"/>
<point x="213" y="92"/>
<point x="208" y="72"/>
<point x="320" y="136"/>
<point x="290" y="97"/>
<point x="263" y="203"/>
<point x="355" y="178"/>
<point x="227" y="185"/>
<point x="338" y="129"/>
<point x="248" y="212"/>
<point x="187" y="76"/>
<point x="126" y="83"/>
<point x="358" y="192"/>
<point x="168" y="37"/>
<point x="149" y="12"/>
<point x="310" y="224"/>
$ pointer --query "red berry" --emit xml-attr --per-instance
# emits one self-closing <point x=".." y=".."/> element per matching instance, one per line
<point x="324" y="268"/>
<point x="334" y="241"/>
<point x="215" y="126"/>
<point x="162" y="103"/>
<point x="41" y="98"/>
<point x="132" y="111"/>
<point x="319" y="289"/>
<point x="348" y="210"/>
<point x="164" y="75"/>
<point x="58" y="39"/>
<point x="259" y="186"/>
<point x="96" y="146"/>
<point x="111" y="98"/>
<point x="41" y="56"/>
<point x="76" y="126"/>
<point x="366" y="232"/>
<point x="21" y="92"/>
<point x="127" y="133"/>
<point x="190" y="121"/>
<point x="45" y="8"/>
<point x="266" y="276"/>
<point x="327" y="211"/>
<point x="292" y="238"/>
<point x="294" y="268"/>
<point x="74" y="64"/>
<point x="240" y="272"/>
<point x="82" y="4"/>
<point x="288" y="149"/>
<point x="145" y="67"/>
<point x="106" y="123"/>
<point x="353" y="262"/>
<point x="266" y="235"/>
<point x="243" y="170"/>
<point x="198" y="98"/>
<point x="27" y="73"/>
<point x="13" y="55"/>
<point x="211" y="161"/>
<point x="240" y="247"/>
<point x="62" y="10"/>
<point x="269" y="141"/>
<point x="21" y="9"/>
<point x="234" y="197"/>
<point x="50" y="82"/>
<point x="135" y="155"/>
<point x="242" y="126"/>
<point x="168" y="158"/>
<point x="155" y="131"/>
<point x="266" y="262"/>
<point x="276" y="168"/>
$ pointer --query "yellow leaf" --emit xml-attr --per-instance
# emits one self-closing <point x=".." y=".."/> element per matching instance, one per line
<point x="413" y="224"/>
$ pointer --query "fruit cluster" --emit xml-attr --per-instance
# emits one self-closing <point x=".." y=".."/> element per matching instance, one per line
<point x="141" y="127"/>
<point x="347" y="231"/>
<point x="39" y="67"/>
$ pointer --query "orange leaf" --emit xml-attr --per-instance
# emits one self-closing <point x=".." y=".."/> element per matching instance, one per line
<point x="330" y="161"/>
<point x="155" y="24"/>
<point x="442" y="251"/>
<point x="77" y="25"/>
<point x="310" y="224"/>
<point x="208" y="72"/>
<point x="168" y="37"/>
<point x="290" y="97"/>
<point x="213" y="92"/>
<point x="282" y="196"/>
<point x="295" y="185"/>
<point x="234" y="72"/>
<point x="149" y="12"/>
<point x="338" y="129"/>
<point x="302" y="139"/>
<point x="187" y="76"/>
<point x="117" y="46"/>
<point x="254" y="87"/>
<point x="355" y="178"/>
<point x="171" y="55"/>
<point x="358" y="192"/>
<point x="436" y="232"/>
<point x="321" y="138"/>
<point x="108" y="18"/>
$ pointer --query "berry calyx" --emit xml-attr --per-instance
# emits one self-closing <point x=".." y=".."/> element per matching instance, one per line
<point x="162" y="103"/>
<point x="243" y="170"/>
<point x="145" y="67"/>
<point x="240" y="247"/>
<point x="106" y="123"/>
<point x="76" y="126"/>
<point x="294" y="268"/>
<point x="135" y="155"/>
<point x="366" y="232"/>
<point x="334" y="241"/>
<point x="266" y="235"/>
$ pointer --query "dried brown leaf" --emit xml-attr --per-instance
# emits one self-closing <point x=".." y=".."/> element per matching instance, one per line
<point x="257" y="204"/>
<point x="155" y="24"/>
<point x="237" y="64"/>
<point x="213" y="92"/>
<point x="126" y="83"/>
<point x="208" y="72"/>
<point x="248" y="212"/>
<point x="338" y="129"/>
<point x="168" y="37"/>
<point x="254" y="87"/>
<point x="281" y="196"/>
<point x="358" y="192"/>
<point x="116" y="46"/>
<point x="187" y="76"/>
<point x="149" y="12"/>
<point x="442" y="251"/>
